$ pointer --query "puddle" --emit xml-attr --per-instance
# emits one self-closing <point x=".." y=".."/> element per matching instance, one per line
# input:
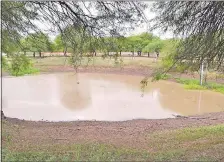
<point x="103" y="97"/>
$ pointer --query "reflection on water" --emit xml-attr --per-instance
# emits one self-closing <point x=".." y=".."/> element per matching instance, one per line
<point x="73" y="93"/>
<point x="66" y="96"/>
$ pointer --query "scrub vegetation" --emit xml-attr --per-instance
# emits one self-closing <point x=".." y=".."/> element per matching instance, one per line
<point x="195" y="84"/>
<point x="18" y="65"/>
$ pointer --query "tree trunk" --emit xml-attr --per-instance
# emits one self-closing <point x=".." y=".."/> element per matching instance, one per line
<point x="65" y="51"/>
<point x="148" y="54"/>
<point x="40" y="54"/>
<point x="139" y="53"/>
<point x="120" y="53"/>
<point x="133" y="54"/>
<point x="157" y="55"/>
<point x="109" y="55"/>
<point x="3" y="115"/>
<point x="33" y="54"/>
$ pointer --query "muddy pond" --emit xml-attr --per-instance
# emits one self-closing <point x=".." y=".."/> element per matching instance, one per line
<point x="101" y="97"/>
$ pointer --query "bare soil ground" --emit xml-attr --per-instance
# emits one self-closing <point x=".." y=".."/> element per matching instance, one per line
<point x="131" y="133"/>
<point x="127" y="70"/>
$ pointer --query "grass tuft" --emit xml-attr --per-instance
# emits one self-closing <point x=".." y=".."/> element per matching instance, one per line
<point x="76" y="152"/>
<point x="195" y="85"/>
<point x="191" y="144"/>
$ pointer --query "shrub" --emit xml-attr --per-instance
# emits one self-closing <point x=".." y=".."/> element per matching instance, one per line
<point x="160" y="76"/>
<point x="4" y="63"/>
<point x="21" y="65"/>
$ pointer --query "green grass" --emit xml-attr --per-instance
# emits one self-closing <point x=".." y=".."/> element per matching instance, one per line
<point x="30" y="70"/>
<point x="192" y="84"/>
<point x="76" y="152"/>
<point x="202" y="143"/>
<point x="189" y="134"/>
<point x="195" y="85"/>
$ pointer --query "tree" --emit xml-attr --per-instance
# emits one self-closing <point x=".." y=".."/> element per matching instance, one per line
<point x="121" y="44"/>
<point x="59" y="46"/>
<point x="37" y="42"/>
<point x="16" y="21"/>
<point x="169" y="46"/>
<point x="110" y="44"/>
<point x="134" y="43"/>
<point x="146" y="39"/>
<point x="106" y="20"/>
<point x="200" y="26"/>
<point x="154" y="46"/>
<point x="10" y="44"/>
<point x="138" y="42"/>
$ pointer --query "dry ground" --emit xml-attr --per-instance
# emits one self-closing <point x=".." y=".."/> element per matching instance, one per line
<point x="193" y="138"/>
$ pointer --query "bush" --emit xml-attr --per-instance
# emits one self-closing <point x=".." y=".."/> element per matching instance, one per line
<point x="20" y="65"/>
<point x="171" y="60"/>
<point x="167" y="61"/>
<point x="4" y="63"/>
<point x="160" y="76"/>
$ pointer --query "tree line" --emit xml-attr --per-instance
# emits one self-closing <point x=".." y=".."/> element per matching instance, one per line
<point x="40" y="42"/>
<point x="199" y="25"/>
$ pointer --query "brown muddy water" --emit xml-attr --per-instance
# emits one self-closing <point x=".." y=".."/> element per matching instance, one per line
<point x="102" y="97"/>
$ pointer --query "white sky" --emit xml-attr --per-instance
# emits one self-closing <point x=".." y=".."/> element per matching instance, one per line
<point x="138" y="30"/>
<point x="143" y="28"/>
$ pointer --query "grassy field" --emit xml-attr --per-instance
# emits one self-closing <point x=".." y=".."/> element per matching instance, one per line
<point x="98" y="61"/>
<point x="135" y="62"/>
<point x="190" y="144"/>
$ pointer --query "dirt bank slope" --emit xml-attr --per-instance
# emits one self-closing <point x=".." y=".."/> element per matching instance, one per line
<point x="128" y="133"/>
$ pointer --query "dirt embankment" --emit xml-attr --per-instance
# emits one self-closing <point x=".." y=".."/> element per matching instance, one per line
<point x="131" y="133"/>
<point x="127" y="70"/>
